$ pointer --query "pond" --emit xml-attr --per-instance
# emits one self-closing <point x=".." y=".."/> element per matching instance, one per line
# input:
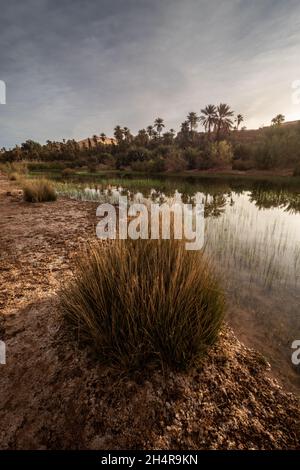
<point x="252" y="233"/>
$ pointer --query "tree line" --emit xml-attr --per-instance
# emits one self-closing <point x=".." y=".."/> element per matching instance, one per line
<point x="222" y="142"/>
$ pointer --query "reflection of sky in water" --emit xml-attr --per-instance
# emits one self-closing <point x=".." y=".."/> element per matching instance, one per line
<point x="275" y="219"/>
<point x="235" y="222"/>
<point x="268" y="237"/>
<point x="243" y="213"/>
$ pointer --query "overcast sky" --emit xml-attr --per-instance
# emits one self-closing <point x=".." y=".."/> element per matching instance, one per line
<point x="75" y="68"/>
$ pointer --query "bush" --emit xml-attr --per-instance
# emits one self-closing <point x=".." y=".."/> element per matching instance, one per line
<point x="47" y="166"/>
<point x="297" y="171"/>
<point x="264" y="159"/>
<point x="38" y="191"/>
<point x="67" y="172"/>
<point x="175" y="162"/>
<point x="151" y="166"/>
<point x="92" y="168"/>
<point x="107" y="159"/>
<point x="192" y="156"/>
<point x="242" y="165"/>
<point x="222" y="151"/>
<point x="243" y="152"/>
<point x="144" y="302"/>
<point x="14" y="169"/>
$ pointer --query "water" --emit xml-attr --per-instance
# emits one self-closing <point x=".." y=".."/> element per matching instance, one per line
<point x="252" y="233"/>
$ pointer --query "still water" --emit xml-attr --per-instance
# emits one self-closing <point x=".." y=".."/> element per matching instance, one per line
<point x="252" y="233"/>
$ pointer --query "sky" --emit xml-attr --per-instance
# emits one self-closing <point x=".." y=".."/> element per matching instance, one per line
<point x="75" y="68"/>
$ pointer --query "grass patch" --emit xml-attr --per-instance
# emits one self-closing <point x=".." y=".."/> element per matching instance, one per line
<point x="144" y="302"/>
<point x="40" y="190"/>
<point x="14" y="169"/>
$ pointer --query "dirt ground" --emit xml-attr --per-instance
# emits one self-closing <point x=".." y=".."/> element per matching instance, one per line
<point x="54" y="395"/>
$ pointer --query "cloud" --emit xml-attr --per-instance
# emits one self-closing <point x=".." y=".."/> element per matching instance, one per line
<point x="75" y="68"/>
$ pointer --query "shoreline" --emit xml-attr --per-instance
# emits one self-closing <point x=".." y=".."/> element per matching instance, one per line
<point x="217" y="173"/>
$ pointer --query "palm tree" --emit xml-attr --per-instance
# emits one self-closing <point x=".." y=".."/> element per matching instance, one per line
<point x="184" y="127"/>
<point x="184" y="134"/>
<point x="223" y="121"/>
<point x="159" y="124"/>
<point x="95" y="140"/>
<point x="150" y="130"/>
<point x="127" y="134"/>
<point x="208" y="118"/>
<point x="118" y="133"/>
<point x="142" y="137"/>
<point x="192" y="119"/>
<point x="102" y="137"/>
<point x="278" y="120"/>
<point x="239" y="119"/>
<point x="168" y="137"/>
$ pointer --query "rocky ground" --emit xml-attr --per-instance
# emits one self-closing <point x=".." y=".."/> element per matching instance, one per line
<point x="54" y="395"/>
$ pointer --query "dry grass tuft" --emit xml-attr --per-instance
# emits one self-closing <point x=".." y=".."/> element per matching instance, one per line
<point x="144" y="302"/>
<point x="40" y="190"/>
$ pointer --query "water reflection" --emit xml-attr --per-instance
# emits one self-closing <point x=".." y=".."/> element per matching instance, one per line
<point x="264" y="194"/>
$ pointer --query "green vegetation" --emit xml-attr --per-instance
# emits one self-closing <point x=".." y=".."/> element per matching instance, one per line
<point x="40" y="190"/>
<point x="144" y="302"/>
<point x="220" y="144"/>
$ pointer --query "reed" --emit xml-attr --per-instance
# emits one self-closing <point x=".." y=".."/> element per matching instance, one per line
<point x="144" y="302"/>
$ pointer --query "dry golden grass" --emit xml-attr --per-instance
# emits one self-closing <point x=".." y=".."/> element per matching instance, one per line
<point x="14" y="170"/>
<point x="40" y="190"/>
<point x="144" y="302"/>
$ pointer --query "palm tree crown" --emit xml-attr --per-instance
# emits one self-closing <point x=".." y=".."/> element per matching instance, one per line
<point x="150" y="130"/>
<point x="192" y="119"/>
<point x="223" y="118"/>
<point x="208" y="117"/>
<point x="102" y="137"/>
<point x="159" y="124"/>
<point x="239" y="119"/>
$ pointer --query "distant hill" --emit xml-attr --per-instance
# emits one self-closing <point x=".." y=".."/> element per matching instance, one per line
<point x="291" y="123"/>
<point x="253" y="135"/>
<point x="91" y="141"/>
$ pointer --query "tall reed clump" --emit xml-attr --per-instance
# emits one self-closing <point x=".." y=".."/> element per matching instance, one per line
<point x="40" y="190"/>
<point x="144" y="302"/>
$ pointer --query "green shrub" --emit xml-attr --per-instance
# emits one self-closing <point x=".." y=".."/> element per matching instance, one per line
<point x="243" y="152"/>
<point x="175" y="162"/>
<point x="92" y="168"/>
<point x="221" y="152"/>
<point x="242" y="165"/>
<point x="67" y="172"/>
<point x="47" y="166"/>
<point x="156" y="165"/>
<point x="144" y="302"/>
<point x="40" y="190"/>
<point x="192" y="156"/>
